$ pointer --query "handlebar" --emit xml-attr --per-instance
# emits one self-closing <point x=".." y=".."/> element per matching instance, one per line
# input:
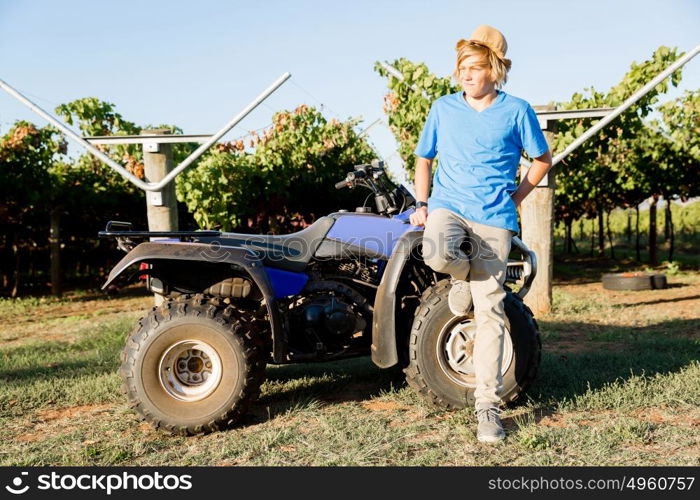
<point x="388" y="197"/>
<point x="351" y="178"/>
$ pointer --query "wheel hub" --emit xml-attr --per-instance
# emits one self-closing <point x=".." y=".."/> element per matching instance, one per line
<point x="190" y="370"/>
<point x="456" y="351"/>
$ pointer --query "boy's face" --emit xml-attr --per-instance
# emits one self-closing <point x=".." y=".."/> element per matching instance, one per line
<point x="475" y="76"/>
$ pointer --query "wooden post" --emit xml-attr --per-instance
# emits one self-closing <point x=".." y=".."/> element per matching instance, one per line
<point x="652" y="229"/>
<point x="161" y="205"/>
<point x="537" y="223"/>
<point x="55" y="250"/>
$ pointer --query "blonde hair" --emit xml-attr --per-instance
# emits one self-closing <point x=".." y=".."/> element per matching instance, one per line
<point x="498" y="67"/>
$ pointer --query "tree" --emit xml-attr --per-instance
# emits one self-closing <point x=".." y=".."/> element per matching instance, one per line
<point x="670" y="153"/>
<point x="41" y="186"/>
<point x="680" y="122"/>
<point x="99" y="118"/>
<point x="607" y="171"/>
<point x="408" y="102"/>
<point x="284" y="178"/>
<point x="28" y="178"/>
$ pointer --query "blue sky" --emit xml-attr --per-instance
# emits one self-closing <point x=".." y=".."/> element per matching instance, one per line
<point x="196" y="64"/>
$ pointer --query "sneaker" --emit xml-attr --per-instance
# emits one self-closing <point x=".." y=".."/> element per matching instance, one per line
<point x="489" y="429"/>
<point x="460" y="297"/>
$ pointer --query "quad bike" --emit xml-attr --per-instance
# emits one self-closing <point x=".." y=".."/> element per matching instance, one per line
<point x="350" y="284"/>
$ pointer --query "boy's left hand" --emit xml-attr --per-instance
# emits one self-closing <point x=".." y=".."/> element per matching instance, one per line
<point x="419" y="217"/>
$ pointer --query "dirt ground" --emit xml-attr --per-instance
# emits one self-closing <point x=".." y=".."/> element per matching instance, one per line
<point x="644" y="312"/>
<point x="681" y="299"/>
<point x="58" y="320"/>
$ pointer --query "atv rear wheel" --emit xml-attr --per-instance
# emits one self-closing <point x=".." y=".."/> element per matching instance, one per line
<point x="441" y="369"/>
<point x="193" y="365"/>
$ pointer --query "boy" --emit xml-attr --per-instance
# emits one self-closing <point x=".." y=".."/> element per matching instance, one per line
<point x="479" y="133"/>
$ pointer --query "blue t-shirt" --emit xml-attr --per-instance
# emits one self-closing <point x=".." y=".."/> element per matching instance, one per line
<point x="479" y="155"/>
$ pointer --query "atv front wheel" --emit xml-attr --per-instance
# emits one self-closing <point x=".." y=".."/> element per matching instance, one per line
<point x="193" y="365"/>
<point x="441" y="368"/>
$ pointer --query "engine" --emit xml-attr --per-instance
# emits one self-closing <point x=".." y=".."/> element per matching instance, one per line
<point x="329" y="320"/>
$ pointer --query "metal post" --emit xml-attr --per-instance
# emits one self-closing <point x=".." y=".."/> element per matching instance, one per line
<point x="119" y="168"/>
<point x="158" y="162"/>
<point x="399" y="76"/>
<point x="537" y="224"/>
<point x="628" y="103"/>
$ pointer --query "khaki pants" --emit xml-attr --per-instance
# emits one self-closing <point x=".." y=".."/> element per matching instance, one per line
<point x="482" y="259"/>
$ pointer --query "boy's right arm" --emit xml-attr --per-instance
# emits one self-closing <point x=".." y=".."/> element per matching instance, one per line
<point x="422" y="185"/>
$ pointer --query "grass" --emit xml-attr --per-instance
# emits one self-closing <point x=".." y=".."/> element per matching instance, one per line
<point x="619" y="385"/>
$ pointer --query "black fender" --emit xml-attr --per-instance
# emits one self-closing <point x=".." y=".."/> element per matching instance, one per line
<point x="384" y="349"/>
<point x="241" y="258"/>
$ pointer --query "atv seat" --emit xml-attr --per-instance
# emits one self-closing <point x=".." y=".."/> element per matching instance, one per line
<point x="291" y="252"/>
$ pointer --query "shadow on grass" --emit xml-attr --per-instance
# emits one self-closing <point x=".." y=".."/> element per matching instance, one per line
<point x="60" y="370"/>
<point x="94" y="355"/>
<point x="581" y="335"/>
<point x="573" y="269"/>
<point x="660" y="301"/>
<point x="657" y="349"/>
<point x="610" y="353"/>
<point x="582" y="270"/>
<point x="321" y="384"/>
